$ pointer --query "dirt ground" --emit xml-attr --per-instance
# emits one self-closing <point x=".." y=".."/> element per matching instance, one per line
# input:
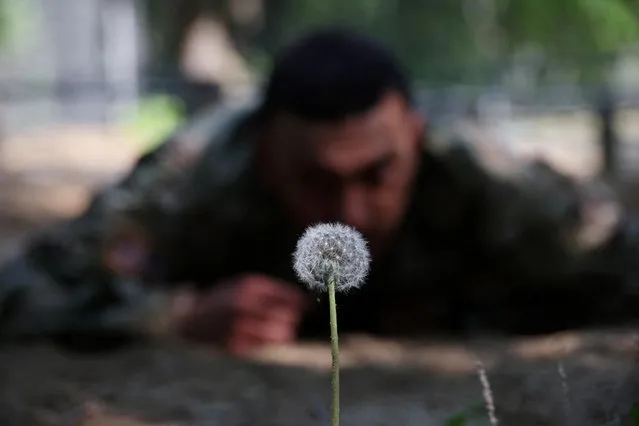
<point x="580" y="378"/>
<point x="569" y="379"/>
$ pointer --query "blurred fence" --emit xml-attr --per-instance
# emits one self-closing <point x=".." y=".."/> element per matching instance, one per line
<point x="25" y="104"/>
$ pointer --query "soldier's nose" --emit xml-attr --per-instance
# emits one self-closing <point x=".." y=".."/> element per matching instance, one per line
<point x="354" y="211"/>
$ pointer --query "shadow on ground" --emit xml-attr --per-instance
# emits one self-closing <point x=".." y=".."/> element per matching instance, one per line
<point x="566" y="379"/>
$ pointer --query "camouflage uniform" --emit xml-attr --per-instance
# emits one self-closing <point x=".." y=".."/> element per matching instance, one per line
<point x="488" y="241"/>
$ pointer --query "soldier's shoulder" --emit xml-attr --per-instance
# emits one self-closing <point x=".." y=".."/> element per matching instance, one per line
<point x="204" y="153"/>
<point x="216" y="124"/>
<point x="471" y="150"/>
<point x="224" y="137"/>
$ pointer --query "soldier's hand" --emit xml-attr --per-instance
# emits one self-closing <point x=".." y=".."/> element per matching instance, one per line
<point x="245" y="313"/>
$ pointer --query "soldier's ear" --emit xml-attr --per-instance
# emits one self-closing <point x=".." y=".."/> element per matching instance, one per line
<point x="264" y="154"/>
<point x="419" y="126"/>
<point x="422" y="124"/>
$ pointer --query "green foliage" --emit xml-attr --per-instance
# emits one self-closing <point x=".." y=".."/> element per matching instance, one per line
<point x="474" y="415"/>
<point x="443" y="41"/>
<point x="17" y="20"/>
<point x="571" y="27"/>
<point x="155" y="119"/>
<point x="634" y="415"/>
<point x="431" y="37"/>
<point x="616" y="22"/>
<point x="580" y="34"/>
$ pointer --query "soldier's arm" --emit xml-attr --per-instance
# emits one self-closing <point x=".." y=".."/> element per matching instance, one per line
<point x="92" y="276"/>
<point x="59" y="288"/>
<point x="550" y="252"/>
<point x="82" y="277"/>
<point x="533" y="220"/>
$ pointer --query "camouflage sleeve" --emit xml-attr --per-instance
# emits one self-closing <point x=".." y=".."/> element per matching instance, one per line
<point x="533" y="220"/>
<point x="541" y="242"/>
<point x="80" y="277"/>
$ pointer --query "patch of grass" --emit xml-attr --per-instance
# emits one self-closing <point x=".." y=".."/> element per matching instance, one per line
<point x="154" y="120"/>
<point x="475" y="415"/>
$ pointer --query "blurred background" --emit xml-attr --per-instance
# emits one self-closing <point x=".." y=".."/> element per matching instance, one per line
<point x="86" y="85"/>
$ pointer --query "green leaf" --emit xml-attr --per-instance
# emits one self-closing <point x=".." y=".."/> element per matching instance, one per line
<point x="18" y="19"/>
<point x="473" y="415"/>
<point x="634" y="415"/>
<point x="155" y="119"/>
<point x="613" y="22"/>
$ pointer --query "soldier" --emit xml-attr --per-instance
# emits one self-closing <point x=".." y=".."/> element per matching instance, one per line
<point x="197" y="239"/>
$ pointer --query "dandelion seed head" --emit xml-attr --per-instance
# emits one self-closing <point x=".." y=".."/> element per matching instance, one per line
<point x="331" y="248"/>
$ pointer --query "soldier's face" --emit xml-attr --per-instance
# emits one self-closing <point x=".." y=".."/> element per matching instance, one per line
<point x="358" y="171"/>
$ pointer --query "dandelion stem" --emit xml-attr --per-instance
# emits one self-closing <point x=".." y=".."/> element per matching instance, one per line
<point x="334" y="349"/>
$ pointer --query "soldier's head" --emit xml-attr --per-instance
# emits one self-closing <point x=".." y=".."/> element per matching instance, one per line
<point x="339" y="139"/>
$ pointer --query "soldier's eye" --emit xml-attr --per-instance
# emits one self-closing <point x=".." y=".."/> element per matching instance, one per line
<point x="376" y="174"/>
<point x="373" y="177"/>
<point x="316" y="180"/>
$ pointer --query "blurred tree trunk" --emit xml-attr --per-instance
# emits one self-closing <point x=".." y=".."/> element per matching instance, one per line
<point x="204" y="40"/>
<point x="274" y="20"/>
<point x="194" y="48"/>
<point x="168" y="24"/>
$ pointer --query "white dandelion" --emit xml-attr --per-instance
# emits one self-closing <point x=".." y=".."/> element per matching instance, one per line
<point x="332" y="250"/>
<point x="332" y="257"/>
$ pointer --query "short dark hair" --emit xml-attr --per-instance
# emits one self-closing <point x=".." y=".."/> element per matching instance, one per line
<point x="330" y="74"/>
